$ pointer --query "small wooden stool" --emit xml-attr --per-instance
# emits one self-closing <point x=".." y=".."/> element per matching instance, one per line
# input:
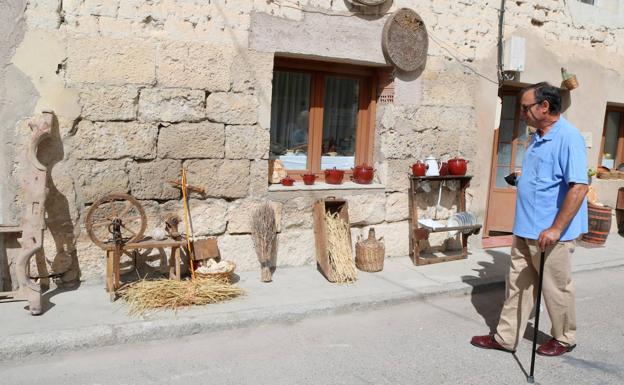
<point x="112" y="263"/>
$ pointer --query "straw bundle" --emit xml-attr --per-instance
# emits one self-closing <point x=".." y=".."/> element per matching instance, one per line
<point x="167" y="294"/>
<point x="339" y="249"/>
<point x="263" y="234"/>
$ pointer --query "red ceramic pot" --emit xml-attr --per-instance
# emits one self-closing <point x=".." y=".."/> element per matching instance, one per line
<point x="444" y="169"/>
<point x="288" y="181"/>
<point x="308" y="179"/>
<point x="334" y="176"/>
<point x="457" y="166"/>
<point x="363" y="174"/>
<point x="419" y="168"/>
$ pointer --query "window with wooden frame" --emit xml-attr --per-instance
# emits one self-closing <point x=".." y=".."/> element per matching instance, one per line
<point x="612" y="146"/>
<point x="322" y="115"/>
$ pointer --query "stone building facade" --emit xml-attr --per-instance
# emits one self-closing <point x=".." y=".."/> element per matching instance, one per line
<point x="141" y="88"/>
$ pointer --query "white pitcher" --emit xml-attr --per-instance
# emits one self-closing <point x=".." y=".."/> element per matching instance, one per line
<point x="432" y="166"/>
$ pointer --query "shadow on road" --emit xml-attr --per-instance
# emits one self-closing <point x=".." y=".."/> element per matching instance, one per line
<point x="488" y="295"/>
<point x="488" y="281"/>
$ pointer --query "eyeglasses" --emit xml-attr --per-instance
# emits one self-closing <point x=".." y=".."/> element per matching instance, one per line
<point x="527" y="107"/>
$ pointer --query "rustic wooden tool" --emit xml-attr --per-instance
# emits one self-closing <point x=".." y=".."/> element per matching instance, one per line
<point x="264" y="231"/>
<point x="206" y="249"/>
<point x="33" y="220"/>
<point x="112" y="207"/>
<point x="119" y="219"/>
<point x="171" y="225"/>
<point x="185" y="187"/>
<point x="187" y="223"/>
<point x="178" y="183"/>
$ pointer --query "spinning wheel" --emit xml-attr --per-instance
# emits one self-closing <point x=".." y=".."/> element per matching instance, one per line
<point x="115" y="218"/>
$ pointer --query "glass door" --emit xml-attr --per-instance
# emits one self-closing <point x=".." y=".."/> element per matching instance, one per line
<point x="511" y="139"/>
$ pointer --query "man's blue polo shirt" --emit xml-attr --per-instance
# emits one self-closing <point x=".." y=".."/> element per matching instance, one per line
<point x="550" y="164"/>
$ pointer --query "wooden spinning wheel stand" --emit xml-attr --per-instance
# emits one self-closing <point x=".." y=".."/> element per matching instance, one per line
<point x="116" y="223"/>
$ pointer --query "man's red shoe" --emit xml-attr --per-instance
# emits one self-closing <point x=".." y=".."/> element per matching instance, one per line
<point x="554" y="348"/>
<point x="488" y="342"/>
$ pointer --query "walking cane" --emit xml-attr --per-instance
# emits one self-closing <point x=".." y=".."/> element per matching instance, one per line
<point x="530" y="379"/>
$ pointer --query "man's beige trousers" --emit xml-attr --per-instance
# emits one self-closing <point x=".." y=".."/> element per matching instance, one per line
<point x="557" y="288"/>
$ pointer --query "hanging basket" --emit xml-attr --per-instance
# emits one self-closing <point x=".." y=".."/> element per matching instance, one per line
<point x="571" y="83"/>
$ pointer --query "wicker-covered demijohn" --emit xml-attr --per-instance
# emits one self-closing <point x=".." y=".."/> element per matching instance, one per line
<point x="369" y="253"/>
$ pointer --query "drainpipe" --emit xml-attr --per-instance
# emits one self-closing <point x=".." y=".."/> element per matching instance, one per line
<point x="501" y="27"/>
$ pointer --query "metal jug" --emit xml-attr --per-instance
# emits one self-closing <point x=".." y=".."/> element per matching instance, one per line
<point x="432" y="166"/>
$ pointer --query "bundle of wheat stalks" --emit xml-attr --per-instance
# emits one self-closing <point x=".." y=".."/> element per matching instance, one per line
<point x="263" y="233"/>
<point x="168" y="294"/>
<point x="339" y="249"/>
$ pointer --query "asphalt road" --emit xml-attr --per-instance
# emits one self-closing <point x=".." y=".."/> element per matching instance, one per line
<point x="424" y="342"/>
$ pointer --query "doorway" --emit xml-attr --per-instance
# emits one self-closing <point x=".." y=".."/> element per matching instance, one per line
<point x="510" y="141"/>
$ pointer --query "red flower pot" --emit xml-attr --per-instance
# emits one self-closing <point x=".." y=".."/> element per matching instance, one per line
<point x="334" y="176"/>
<point x="457" y="166"/>
<point x="308" y="179"/>
<point x="419" y="168"/>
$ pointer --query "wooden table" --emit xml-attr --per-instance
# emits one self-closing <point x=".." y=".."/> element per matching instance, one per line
<point x="113" y="261"/>
<point x="419" y="232"/>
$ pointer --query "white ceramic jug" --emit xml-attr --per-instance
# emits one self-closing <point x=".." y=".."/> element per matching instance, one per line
<point x="432" y="166"/>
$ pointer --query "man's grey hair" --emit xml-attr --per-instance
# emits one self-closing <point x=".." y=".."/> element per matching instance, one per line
<point x="546" y="91"/>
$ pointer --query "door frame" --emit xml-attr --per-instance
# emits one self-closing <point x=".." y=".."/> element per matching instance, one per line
<point x="505" y="90"/>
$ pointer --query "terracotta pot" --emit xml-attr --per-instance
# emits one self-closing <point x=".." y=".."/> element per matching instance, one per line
<point x="363" y="174"/>
<point x="444" y="169"/>
<point x="334" y="176"/>
<point x="457" y="166"/>
<point x="288" y="181"/>
<point x="309" y="179"/>
<point x="419" y="168"/>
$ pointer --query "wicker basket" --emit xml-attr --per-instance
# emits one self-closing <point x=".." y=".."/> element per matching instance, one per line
<point x="369" y="253"/>
<point x="221" y="276"/>
<point x="571" y="83"/>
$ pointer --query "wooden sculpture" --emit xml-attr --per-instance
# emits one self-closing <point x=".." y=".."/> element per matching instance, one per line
<point x="33" y="223"/>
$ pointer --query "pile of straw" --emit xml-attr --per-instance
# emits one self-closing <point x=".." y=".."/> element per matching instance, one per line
<point x="263" y="233"/>
<point x="167" y="294"/>
<point x="339" y="249"/>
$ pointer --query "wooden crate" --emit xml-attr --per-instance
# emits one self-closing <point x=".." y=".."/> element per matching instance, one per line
<point x="322" y="206"/>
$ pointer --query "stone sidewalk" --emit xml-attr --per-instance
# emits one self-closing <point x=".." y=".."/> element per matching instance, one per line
<point x="84" y="318"/>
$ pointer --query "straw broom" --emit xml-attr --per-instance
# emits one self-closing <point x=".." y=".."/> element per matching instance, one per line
<point x="165" y="294"/>
<point x="339" y="249"/>
<point x="264" y="234"/>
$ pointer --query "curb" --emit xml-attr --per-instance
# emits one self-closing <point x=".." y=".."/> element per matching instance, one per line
<point x="25" y="345"/>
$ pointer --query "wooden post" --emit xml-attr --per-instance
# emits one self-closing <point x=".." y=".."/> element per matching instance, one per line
<point x="110" y="254"/>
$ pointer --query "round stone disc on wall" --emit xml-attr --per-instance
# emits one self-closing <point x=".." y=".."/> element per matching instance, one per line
<point x="368" y="2"/>
<point x="404" y="40"/>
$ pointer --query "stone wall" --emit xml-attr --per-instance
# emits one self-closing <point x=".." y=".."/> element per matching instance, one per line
<point x="142" y="88"/>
